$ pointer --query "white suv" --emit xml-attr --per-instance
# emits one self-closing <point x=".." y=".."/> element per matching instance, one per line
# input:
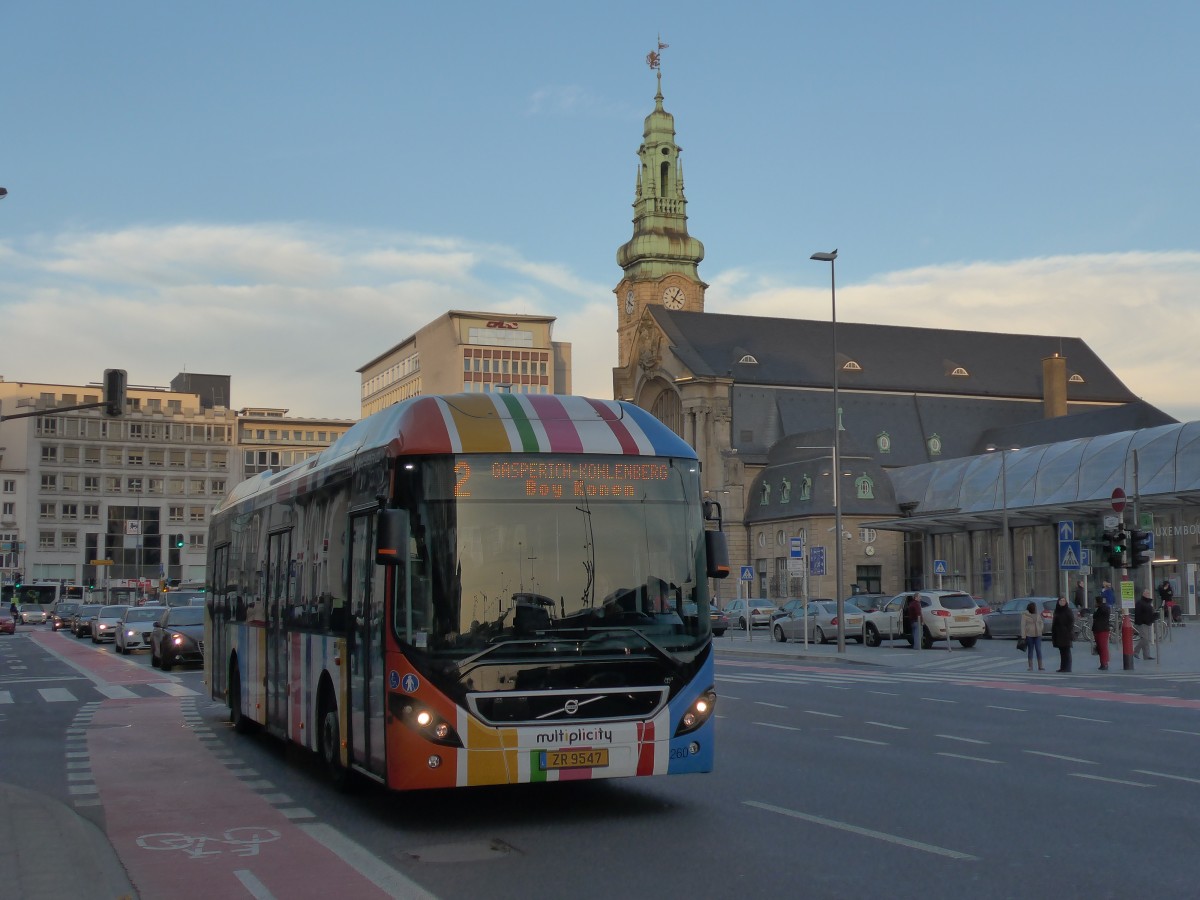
<point x="945" y="615"/>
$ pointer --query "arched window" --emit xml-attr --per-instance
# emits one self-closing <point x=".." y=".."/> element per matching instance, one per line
<point x="668" y="410"/>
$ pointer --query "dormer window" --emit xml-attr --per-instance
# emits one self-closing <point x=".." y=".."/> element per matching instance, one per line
<point x="851" y="366"/>
<point x="748" y="360"/>
<point x="1076" y="379"/>
<point x="959" y="372"/>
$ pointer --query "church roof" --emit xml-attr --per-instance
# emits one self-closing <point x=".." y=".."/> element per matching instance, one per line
<point x="890" y="358"/>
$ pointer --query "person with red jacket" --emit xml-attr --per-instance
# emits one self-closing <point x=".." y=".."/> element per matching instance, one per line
<point x="912" y="620"/>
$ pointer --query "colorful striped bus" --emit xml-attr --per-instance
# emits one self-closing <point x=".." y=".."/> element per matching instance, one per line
<point x="474" y="589"/>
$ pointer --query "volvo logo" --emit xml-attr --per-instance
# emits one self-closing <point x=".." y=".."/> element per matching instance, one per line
<point x="571" y="707"/>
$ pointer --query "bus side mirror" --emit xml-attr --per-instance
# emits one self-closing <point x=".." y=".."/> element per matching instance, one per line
<point x="717" y="552"/>
<point x="391" y="536"/>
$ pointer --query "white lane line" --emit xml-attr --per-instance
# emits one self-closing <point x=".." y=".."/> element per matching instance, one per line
<point x="816" y="712"/>
<point x="965" y="740"/>
<point x="1177" y="731"/>
<point x="780" y="727"/>
<point x="6" y="697"/>
<point x="938" y="700"/>
<point x="1110" y="780"/>
<point x="982" y="759"/>
<point x="298" y="812"/>
<point x="1074" y="759"/>
<point x="886" y="725"/>
<point x="1085" y="719"/>
<point x="368" y="865"/>
<point x="858" y="740"/>
<point x="864" y="832"/>
<point x="116" y="692"/>
<point x="772" y="705"/>
<point x="56" y="695"/>
<point x="250" y="882"/>
<point x="1009" y="708"/>
<point x="173" y="689"/>
<point x="885" y="693"/>
<point x="1165" y="775"/>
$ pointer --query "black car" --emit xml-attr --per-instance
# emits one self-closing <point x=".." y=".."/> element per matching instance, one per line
<point x="178" y="637"/>
<point x="63" y="613"/>
<point x="81" y="622"/>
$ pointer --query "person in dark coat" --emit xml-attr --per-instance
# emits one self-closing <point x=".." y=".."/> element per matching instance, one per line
<point x="1062" y="633"/>
<point x="1101" y="626"/>
<point x="1143" y="620"/>
<point x="1080" y="595"/>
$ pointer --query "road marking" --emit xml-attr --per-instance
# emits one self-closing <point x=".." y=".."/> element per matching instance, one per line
<point x="781" y="727"/>
<point x="772" y="705"/>
<point x="5" y="697"/>
<point x="965" y="740"/>
<point x="1085" y="719"/>
<point x="56" y="695"/>
<point x="938" y="700"/>
<point x="365" y="863"/>
<point x="982" y="759"/>
<point x="115" y="692"/>
<point x="1008" y="708"/>
<point x="1177" y="731"/>
<point x="864" y="832"/>
<point x="250" y="882"/>
<point x="1165" y="775"/>
<point x="173" y="689"/>
<point x="816" y="712"/>
<point x="846" y="737"/>
<point x="885" y="693"/>
<point x="886" y="725"/>
<point x="298" y="812"/>
<point x="1074" y="759"/>
<point x="1110" y="780"/>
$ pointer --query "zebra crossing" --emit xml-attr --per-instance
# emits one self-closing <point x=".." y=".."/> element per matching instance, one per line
<point x="82" y="690"/>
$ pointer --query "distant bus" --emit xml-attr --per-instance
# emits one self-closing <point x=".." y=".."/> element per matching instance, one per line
<point x="474" y="589"/>
<point x="44" y="592"/>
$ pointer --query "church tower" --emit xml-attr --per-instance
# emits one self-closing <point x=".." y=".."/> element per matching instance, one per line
<point x="660" y="260"/>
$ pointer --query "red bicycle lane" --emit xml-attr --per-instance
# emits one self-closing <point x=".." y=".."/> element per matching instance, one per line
<point x="182" y="824"/>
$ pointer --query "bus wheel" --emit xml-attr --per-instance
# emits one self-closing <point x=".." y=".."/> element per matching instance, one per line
<point x="240" y="723"/>
<point x="331" y="742"/>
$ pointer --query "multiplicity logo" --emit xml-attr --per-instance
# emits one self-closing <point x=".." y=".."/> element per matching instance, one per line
<point x="563" y="737"/>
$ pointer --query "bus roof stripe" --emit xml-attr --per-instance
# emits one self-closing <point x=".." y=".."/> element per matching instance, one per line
<point x="562" y="433"/>
<point x="481" y="426"/>
<point x="627" y="441"/>
<point x="522" y="431"/>
<point x="453" y="441"/>
<point x="663" y="441"/>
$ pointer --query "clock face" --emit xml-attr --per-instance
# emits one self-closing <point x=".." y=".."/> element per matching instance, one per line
<point x="629" y="303"/>
<point x="673" y="298"/>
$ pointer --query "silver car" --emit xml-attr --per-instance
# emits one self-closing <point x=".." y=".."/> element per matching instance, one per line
<point x="136" y="627"/>
<point x="821" y="622"/>
<point x="106" y="623"/>
<point x="759" y="612"/>
<point x="1005" y="622"/>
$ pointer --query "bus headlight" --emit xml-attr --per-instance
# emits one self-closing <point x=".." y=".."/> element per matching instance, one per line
<point x="698" y="713"/>
<point x="430" y="725"/>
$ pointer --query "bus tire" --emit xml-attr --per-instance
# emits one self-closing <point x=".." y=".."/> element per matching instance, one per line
<point x="239" y="721"/>
<point x="330" y="744"/>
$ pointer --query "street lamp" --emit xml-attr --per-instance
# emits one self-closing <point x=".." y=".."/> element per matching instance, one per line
<point x="837" y="455"/>
<point x="1007" y="538"/>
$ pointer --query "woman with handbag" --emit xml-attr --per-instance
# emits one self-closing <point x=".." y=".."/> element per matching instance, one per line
<point x="1031" y="632"/>
<point x="1062" y="633"/>
<point x="1100" y="628"/>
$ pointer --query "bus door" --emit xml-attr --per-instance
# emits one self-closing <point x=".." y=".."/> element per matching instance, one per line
<point x="216" y="653"/>
<point x="366" y="648"/>
<point x="280" y="578"/>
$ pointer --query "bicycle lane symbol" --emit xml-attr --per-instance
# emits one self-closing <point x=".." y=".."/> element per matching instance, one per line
<point x="245" y="841"/>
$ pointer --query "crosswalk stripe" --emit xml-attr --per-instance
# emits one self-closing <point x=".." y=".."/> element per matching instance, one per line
<point x="116" y="692"/>
<point x="174" y="690"/>
<point x="56" y="695"/>
<point x="6" y="697"/>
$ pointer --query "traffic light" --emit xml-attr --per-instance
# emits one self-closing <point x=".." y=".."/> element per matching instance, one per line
<point x="1141" y="548"/>
<point x="178" y="541"/>
<point x="1118" y="549"/>
<point x="114" y="392"/>
<point x="17" y="581"/>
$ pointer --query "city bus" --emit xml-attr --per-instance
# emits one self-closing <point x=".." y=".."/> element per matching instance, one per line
<point x="474" y="589"/>
<point x="46" y="593"/>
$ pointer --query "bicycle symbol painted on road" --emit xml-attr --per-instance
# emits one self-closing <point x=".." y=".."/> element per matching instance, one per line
<point x="245" y="841"/>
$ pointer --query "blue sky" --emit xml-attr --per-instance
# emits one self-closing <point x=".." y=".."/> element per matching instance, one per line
<point x="282" y="191"/>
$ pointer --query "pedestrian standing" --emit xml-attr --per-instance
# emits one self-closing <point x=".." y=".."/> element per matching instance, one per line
<point x="1101" y="625"/>
<point x="1080" y="595"/>
<point x="1062" y="633"/>
<point x="1166" y="593"/>
<point x="912" y="620"/>
<point x="1107" y="593"/>
<point x="1031" y="630"/>
<point x="1143" y="621"/>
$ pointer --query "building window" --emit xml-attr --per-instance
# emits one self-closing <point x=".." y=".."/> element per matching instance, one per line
<point x="135" y="458"/>
<point x="49" y="482"/>
<point x="91" y="512"/>
<point x="49" y="454"/>
<point x="196" y="487"/>
<point x="218" y="487"/>
<point x="70" y="510"/>
<point x="134" y="485"/>
<point x="91" y="456"/>
<point x="47" y="510"/>
<point x="70" y="540"/>
<point x="135" y="430"/>
<point x="91" y="484"/>
<point x="196" y="514"/>
<point x="47" y="426"/>
<point x="114" y="457"/>
<point x="71" y="455"/>
<point x="10" y="509"/>
<point x="45" y="540"/>
<point x="154" y="486"/>
<point x="10" y="486"/>
<point x="112" y="484"/>
<point x="174" y="513"/>
<point x="195" y="541"/>
<point x="178" y="459"/>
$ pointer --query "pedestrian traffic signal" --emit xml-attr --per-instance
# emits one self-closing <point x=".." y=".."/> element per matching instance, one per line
<point x="177" y="541"/>
<point x="114" y="392"/>
<point x="1118" y="549"/>
<point x="1141" y="544"/>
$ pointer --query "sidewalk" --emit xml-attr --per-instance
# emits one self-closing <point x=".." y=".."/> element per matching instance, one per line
<point x="1179" y="654"/>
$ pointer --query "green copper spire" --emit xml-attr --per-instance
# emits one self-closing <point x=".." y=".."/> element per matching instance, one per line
<point x="660" y="244"/>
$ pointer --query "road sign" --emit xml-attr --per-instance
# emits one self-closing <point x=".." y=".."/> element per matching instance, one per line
<point x="1085" y="557"/>
<point x="747" y="573"/>
<point x="816" y="561"/>
<point x="101" y="562"/>
<point x="1118" y="500"/>
<point x="795" y="566"/>
<point x="1069" y="553"/>
<point x="940" y="567"/>
<point x="1066" y="531"/>
<point x="796" y="548"/>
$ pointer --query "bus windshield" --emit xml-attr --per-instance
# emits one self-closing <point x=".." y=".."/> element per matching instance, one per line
<point x="534" y="556"/>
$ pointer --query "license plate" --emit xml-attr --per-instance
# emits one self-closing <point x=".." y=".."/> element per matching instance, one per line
<point x="962" y="618"/>
<point x="857" y="620"/>
<point x="574" y="759"/>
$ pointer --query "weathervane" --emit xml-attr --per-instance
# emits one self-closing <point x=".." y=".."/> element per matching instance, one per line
<point x="654" y="57"/>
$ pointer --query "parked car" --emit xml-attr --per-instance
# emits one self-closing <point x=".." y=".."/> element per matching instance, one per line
<point x="81" y="622"/>
<point x="63" y="611"/>
<point x="820" y="623"/>
<point x="869" y="602"/>
<point x="8" y="625"/>
<point x="107" y="621"/>
<point x="137" y="625"/>
<point x="945" y="615"/>
<point x="1005" y="622"/>
<point x="33" y="614"/>
<point x="795" y="606"/>
<point x="758" y="611"/>
<point x="178" y="636"/>
<point x="720" y="621"/>
<point x="984" y="606"/>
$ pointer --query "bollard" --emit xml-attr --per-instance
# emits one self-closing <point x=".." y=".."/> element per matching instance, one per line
<point x="1127" y="642"/>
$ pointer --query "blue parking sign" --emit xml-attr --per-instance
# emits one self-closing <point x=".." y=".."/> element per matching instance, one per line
<point x="816" y="560"/>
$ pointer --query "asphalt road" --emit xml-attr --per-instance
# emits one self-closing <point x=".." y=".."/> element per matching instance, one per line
<point x="833" y="780"/>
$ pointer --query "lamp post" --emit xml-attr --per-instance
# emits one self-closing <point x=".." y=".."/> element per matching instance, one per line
<point x="837" y="455"/>
<point x="1007" y="537"/>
